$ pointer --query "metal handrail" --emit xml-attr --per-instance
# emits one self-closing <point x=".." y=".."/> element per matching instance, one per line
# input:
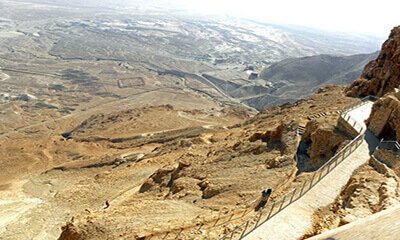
<point x="389" y="145"/>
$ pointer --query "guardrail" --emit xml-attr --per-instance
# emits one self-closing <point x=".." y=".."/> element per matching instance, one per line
<point x="275" y="207"/>
<point x="390" y="145"/>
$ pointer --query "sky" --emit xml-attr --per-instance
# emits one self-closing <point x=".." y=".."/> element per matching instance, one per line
<point x="369" y="17"/>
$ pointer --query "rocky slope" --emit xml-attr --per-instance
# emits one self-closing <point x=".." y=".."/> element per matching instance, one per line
<point x="202" y="182"/>
<point x="308" y="73"/>
<point x="383" y="74"/>
<point x="211" y="173"/>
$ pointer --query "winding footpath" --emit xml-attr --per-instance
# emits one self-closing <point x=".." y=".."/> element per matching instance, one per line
<point x="293" y="222"/>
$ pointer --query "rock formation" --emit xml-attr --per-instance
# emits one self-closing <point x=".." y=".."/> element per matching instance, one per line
<point x="321" y="140"/>
<point x="325" y="140"/>
<point x="383" y="74"/>
<point x="282" y="136"/>
<point x="384" y="120"/>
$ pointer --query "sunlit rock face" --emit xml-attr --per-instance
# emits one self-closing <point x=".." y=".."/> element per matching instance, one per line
<point x="383" y="74"/>
<point x="384" y="120"/>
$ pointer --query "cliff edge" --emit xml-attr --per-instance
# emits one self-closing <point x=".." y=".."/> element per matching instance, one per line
<point x="382" y="75"/>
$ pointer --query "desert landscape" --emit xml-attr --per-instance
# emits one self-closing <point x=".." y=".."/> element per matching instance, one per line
<point x="121" y="122"/>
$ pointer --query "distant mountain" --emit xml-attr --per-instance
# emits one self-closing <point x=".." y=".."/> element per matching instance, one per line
<point x="299" y="77"/>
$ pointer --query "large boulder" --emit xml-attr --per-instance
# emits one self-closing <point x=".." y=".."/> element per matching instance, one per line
<point x="383" y="74"/>
<point x="282" y="136"/>
<point x="384" y="120"/>
<point x="324" y="140"/>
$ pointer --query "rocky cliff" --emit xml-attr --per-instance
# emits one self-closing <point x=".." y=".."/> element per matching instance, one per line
<point x="383" y="74"/>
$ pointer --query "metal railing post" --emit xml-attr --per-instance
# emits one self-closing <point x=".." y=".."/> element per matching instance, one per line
<point x="320" y="174"/>
<point x="301" y="192"/>
<point x="270" y="212"/>
<point x="294" y="192"/>
<point x="336" y="162"/>
<point x="283" y="201"/>
<point x="244" y="231"/>
<point x="258" y="220"/>
<point x="312" y="179"/>
<point x="328" y="168"/>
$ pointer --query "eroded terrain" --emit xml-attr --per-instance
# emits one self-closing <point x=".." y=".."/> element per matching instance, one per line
<point x="141" y="123"/>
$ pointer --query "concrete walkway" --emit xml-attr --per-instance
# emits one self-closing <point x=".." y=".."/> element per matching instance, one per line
<point x="293" y="222"/>
<point x="384" y="225"/>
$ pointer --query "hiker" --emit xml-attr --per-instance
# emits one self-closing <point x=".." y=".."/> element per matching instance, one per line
<point x="265" y="194"/>
<point x="107" y="205"/>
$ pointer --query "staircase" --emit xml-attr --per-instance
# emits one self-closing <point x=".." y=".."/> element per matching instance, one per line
<point x="300" y="130"/>
<point x="323" y="114"/>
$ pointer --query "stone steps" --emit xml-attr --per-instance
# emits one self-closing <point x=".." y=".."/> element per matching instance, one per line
<point x="323" y="114"/>
<point x="301" y="130"/>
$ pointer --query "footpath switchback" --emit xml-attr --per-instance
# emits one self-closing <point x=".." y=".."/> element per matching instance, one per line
<point x="293" y="221"/>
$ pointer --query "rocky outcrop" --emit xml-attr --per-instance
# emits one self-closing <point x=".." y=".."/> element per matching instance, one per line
<point x="383" y="74"/>
<point x="71" y="232"/>
<point x="320" y="142"/>
<point x="282" y="136"/>
<point x="384" y="120"/>
<point x="325" y="140"/>
<point x="389" y="158"/>
<point x="164" y="178"/>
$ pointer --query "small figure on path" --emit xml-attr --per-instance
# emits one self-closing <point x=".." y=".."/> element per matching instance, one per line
<point x="107" y="205"/>
<point x="265" y="194"/>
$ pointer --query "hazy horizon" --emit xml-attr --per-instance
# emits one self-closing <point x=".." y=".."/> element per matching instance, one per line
<point x="366" y="17"/>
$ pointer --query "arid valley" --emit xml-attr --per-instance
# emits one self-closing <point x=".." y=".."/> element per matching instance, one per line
<point x="121" y="122"/>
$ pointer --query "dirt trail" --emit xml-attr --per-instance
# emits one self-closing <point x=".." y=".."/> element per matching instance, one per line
<point x="184" y="115"/>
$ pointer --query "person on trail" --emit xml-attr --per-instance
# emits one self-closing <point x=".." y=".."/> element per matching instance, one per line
<point x="265" y="194"/>
<point x="107" y="205"/>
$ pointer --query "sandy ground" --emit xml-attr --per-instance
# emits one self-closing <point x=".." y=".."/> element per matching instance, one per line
<point x="12" y="210"/>
<point x="15" y="203"/>
<point x="3" y="77"/>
